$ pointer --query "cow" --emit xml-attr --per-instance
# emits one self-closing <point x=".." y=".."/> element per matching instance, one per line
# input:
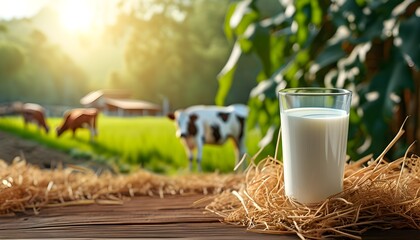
<point x="200" y="125"/>
<point x="79" y="118"/>
<point x="34" y="113"/>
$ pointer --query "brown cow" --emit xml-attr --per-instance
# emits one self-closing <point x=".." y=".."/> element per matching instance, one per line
<point x="79" y="118"/>
<point x="34" y="113"/>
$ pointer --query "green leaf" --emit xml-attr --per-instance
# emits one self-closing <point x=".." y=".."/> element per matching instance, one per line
<point x="225" y="77"/>
<point x="275" y="20"/>
<point x="331" y="54"/>
<point x="261" y="44"/>
<point x="242" y="17"/>
<point x="400" y="79"/>
<point x="373" y="116"/>
<point x="391" y="80"/>
<point x="373" y="30"/>
<point x="348" y="8"/>
<point x="263" y="88"/>
<point x="410" y="35"/>
<point x="277" y="76"/>
<point x="383" y="8"/>
<point x="316" y="13"/>
<point x="360" y="2"/>
<point x="228" y="30"/>
<point x="246" y="45"/>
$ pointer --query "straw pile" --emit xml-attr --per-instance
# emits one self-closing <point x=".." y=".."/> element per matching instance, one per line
<point x="24" y="186"/>
<point x="377" y="194"/>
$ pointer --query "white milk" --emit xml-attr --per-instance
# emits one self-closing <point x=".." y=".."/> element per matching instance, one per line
<point x="314" y="144"/>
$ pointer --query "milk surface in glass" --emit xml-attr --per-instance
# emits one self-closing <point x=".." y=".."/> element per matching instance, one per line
<point x="314" y="144"/>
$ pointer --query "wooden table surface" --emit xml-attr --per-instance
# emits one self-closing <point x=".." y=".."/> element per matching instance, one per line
<point x="142" y="218"/>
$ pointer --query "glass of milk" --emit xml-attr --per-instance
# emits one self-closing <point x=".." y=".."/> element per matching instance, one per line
<point x="314" y="123"/>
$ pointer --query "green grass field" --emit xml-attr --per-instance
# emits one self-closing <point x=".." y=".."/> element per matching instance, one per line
<point x="130" y="143"/>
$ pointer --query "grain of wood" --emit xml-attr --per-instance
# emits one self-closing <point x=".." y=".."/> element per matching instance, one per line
<point x="142" y="218"/>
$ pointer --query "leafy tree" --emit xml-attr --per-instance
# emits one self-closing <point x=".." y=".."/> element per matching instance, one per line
<point x="58" y="79"/>
<point x="173" y="49"/>
<point x="11" y="61"/>
<point x="34" y="70"/>
<point x="368" y="47"/>
<point x="11" y="58"/>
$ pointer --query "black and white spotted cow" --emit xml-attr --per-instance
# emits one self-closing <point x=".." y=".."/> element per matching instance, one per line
<point x="200" y="125"/>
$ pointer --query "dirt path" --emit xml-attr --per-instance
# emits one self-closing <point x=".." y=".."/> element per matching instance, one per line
<point x="12" y="146"/>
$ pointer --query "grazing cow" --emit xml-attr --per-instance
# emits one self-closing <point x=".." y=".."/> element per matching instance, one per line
<point x="199" y="125"/>
<point x="34" y="113"/>
<point x="79" y="118"/>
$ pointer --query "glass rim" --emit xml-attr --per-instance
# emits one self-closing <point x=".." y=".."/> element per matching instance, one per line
<point x="314" y="91"/>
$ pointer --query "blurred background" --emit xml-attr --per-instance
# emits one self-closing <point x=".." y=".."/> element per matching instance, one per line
<point x="178" y="53"/>
<point x="54" y="52"/>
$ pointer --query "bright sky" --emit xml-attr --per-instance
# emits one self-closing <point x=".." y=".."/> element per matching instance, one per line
<point x="75" y="15"/>
<point x="20" y="8"/>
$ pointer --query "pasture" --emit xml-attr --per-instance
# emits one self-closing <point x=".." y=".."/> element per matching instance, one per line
<point x="127" y="144"/>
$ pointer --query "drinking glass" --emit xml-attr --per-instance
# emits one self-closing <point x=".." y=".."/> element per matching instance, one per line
<point x="314" y="123"/>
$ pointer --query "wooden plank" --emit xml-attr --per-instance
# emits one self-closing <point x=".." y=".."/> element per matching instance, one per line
<point x="142" y="217"/>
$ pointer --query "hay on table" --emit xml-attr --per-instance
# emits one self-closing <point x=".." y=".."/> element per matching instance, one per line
<point x="381" y="195"/>
<point x="24" y="186"/>
<point x="377" y="194"/>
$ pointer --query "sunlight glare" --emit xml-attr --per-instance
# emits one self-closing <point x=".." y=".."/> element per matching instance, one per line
<point x="76" y="15"/>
